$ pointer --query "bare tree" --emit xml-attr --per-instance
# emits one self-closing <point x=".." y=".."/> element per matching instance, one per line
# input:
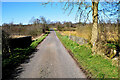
<point x="84" y="10"/>
<point x="36" y="21"/>
<point x="44" y="23"/>
<point x="94" y="37"/>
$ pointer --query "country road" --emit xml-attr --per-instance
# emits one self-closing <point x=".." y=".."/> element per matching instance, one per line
<point x="51" y="60"/>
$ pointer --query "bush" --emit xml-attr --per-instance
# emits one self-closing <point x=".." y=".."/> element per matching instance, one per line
<point x="27" y="30"/>
<point x="5" y="44"/>
<point x="19" y="54"/>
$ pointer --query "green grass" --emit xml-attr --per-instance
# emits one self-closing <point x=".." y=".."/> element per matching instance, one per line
<point x="19" y="54"/>
<point x="98" y="66"/>
<point x="35" y="43"/>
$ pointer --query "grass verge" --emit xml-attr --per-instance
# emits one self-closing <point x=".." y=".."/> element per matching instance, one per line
<point x="18" y="56"/>
<point x="98" y="66"/>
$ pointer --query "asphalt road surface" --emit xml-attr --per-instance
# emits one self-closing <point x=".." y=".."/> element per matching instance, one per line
<point x="51" y="60"/>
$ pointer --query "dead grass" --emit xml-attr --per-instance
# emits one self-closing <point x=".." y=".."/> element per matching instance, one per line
<point x="112" y="36"/>
<point x="85" y="32"/>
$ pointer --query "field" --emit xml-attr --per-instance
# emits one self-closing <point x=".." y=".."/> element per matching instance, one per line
<point x="23" y="30"/>
<point x="85" y="32"/>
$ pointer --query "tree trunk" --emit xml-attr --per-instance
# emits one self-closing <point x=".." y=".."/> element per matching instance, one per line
<point x="94" y="37"/>
<point x="118" y="48"/>
<point x="43" y="30"/>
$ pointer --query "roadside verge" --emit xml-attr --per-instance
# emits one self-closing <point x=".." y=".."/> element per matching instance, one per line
<point x="18" y="56"/>
<point x="95" y="66"/>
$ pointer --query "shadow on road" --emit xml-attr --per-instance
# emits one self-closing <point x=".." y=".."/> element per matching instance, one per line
<point x="12" y="72"/>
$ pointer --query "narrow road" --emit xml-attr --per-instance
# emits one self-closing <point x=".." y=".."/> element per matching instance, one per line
<point x="51" y="61"/>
